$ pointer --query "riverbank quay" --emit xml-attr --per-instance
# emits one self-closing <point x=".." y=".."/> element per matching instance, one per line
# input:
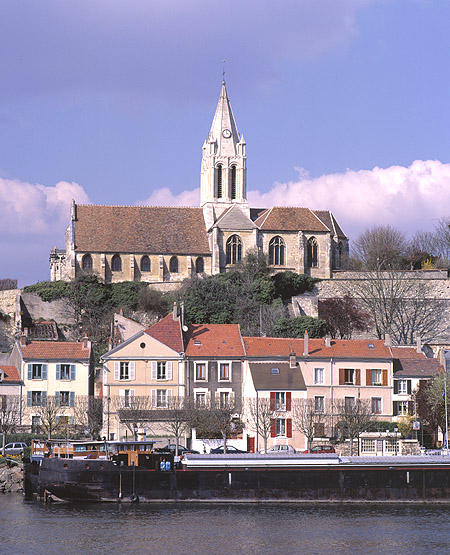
<point x="11" y="477"/>
<point x="256" y="478"/>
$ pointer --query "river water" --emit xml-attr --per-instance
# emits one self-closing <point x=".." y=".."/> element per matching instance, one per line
<point x="28" y="527"/>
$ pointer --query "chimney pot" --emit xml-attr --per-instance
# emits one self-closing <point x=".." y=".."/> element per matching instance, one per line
<point x="305" y="346"/>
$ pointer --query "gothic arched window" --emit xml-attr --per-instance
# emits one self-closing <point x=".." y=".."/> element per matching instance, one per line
<point x="219" y="180"/>
<point x="145" y="264"/>
<point x="86" y="263"/>
<point x="340" y="253"/>
<point x="312" y="253"/>
<point x="116" y="263"/>
<point x="173" y="265"/>
<point x="277" y="250"/>
<point x="199" y="265"/>
<point x="234" y="249"/>
<point x="233" y="182"/>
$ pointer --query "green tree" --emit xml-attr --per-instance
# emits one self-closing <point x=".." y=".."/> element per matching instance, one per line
<point x="296" y="327"/>
<point x="288" y="284"/>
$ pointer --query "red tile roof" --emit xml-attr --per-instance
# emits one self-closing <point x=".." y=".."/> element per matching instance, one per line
<point x="345" y="348"/>
<point x="140" y="229"/>
<point x="10" y="374"/>
<point x="407" y="352"/>
<point x="220" y="340"/>
<point x="55" y="350"/>
<point x="168" y="332"/>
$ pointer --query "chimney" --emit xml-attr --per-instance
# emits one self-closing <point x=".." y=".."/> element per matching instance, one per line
<point x="305" y="347"/>
<point x="418" y="345"/>
<point x="23" y="338"/>
<point x="175" y="311"/>
<point x="292" y="359"/>
<point x="387" y="340"/>
<point x="121" y="311"/>
<point x="110" y="343"/>
<point x="327" y="341"/>
<point x="85" y="343"/>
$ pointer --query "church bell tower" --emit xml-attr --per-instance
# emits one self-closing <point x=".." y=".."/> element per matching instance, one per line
<point x="224" y="170"/>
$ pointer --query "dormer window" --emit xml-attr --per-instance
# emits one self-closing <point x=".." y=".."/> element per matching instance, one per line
<point x="274" y="370"/>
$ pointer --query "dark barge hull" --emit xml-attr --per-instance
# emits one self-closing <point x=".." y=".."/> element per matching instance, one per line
<point x="397" y="480"/>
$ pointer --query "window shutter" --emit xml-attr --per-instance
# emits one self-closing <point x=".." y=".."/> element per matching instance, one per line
<point x="116" y="370"/>
<point x="368" y="377"/>
<point x="132" y="393"/>
<point x="272" y="401"/>
<point x="169" y="397"/>
<point x="385" y="377"/>
<point x="217" y="398"/>
<point x="395" y="408"/>
<point x="410" y="407"/>
<point x="29" y="398"/>
<point x="154" y="370"/>
<point x="288" y="400"/>
<point x="357" y="376"/>
<point x="44" y="399"/>
<point x="132" y="370"/>
<point x="408" y="385"/>
<point x="169" y="370"/>
<point x="273" y="428"/>
<point x="71" y="420"/>
<point x="289" y="427"/>
<point x="232" y="397"/>
<point x="341" y="376"/>
<point x="58" y="371"/>
<point x="30" y="372"/>
<point x="72" y="371"/>
<point x="153" y="396"/>
<point x="57" y="398"/>
<point x="44" y="371"/>
<point x="72" y="399"/>
<point x="395" y="387"/>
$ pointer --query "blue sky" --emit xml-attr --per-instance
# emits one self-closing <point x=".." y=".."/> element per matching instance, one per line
<point x="344" y="105"/>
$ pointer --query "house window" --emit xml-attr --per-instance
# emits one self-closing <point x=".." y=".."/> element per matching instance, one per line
<point x="319" y="404"/>
<point x="368" y="446"/>
<point x="402" y="408"/>
<point x="200" y="400"/>
<point x="173" y="265"/>
<point x="280" y="426"/>
<point x="62" y="422"/>
<point x="280" y="400"/>
<point x="234" y="249"/>
<point x="318" y="376"/>
<point x="402" y="387"/>
<point x="200" y="371"/>
<point x="219" y="180"/>
<point x="319" y="429"/>
<point x="124" y="371"/>
<point x="377" y="377"/>
<point x="36" y="398"/>
<point x="277" y="251"/>
<point x="312" y="253"/>
<point x="86" y="263"/>
<point x="224" y="371"/>
<point x="233" y="182"/>
<point x="225" y="399"/>
<point x="65" y="372"/>
<point x="199" y="265"/>
<point x="161" y="398"/>
<point x="36" y="372"/>
<point x="161" y="372"/>
<point x="128" y="396"/>
<point x="64" y="398"/>
<point x="145" y="264"/>
<point x="376" y="405"/>
<point x="349" y="376"/>
<point x="116" y="263"/>
<point x="349" y="403"/>
<point x="35" y="424"/>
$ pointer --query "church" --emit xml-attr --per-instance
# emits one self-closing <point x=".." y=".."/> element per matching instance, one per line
<point x="158" y="244"/>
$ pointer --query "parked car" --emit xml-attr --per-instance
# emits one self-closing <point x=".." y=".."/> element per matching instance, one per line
<point x="280" y="449"/>
<point x="321" y="449"/>
<point x="172" y="448"/>
<point x="230" y="450"/>
<point x="14" y="448"/>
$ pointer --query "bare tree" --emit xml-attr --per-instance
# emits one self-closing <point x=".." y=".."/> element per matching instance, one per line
<point x="259" y="414"/>
<point x="399" y="303"/>
<point x="306" y="417"/>
<point x="10" y="409"/>
<point x="134" y="412"/>
<point x="354" y="416"/>
<point x="343" y="316"/>
<point x="381" y="248"/>
<point x="88" y="415"/>
<point x="176" y="417"/>
<point x="52" y="415"/>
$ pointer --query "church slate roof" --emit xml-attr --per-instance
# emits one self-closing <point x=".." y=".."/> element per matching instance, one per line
<point x="330" y="221"/>
<point x="295" y="218"/>
<point x="234" y="219"/>
<point x="146" y="229"/>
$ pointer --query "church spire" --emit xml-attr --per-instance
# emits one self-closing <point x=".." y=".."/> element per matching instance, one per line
<point x="224" y="129"/>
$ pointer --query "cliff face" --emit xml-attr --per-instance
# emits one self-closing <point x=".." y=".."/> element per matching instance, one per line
<point x="11" y="479"/>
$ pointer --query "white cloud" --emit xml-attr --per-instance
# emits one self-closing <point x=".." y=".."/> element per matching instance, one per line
<point x="165" y="197"/>
<point x="409" y="198"/>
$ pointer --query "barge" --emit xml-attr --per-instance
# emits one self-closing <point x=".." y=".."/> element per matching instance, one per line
<point x="245" y="478"/>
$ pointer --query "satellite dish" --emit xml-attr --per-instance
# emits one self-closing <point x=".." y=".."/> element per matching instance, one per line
<point x="185" y="328"/>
